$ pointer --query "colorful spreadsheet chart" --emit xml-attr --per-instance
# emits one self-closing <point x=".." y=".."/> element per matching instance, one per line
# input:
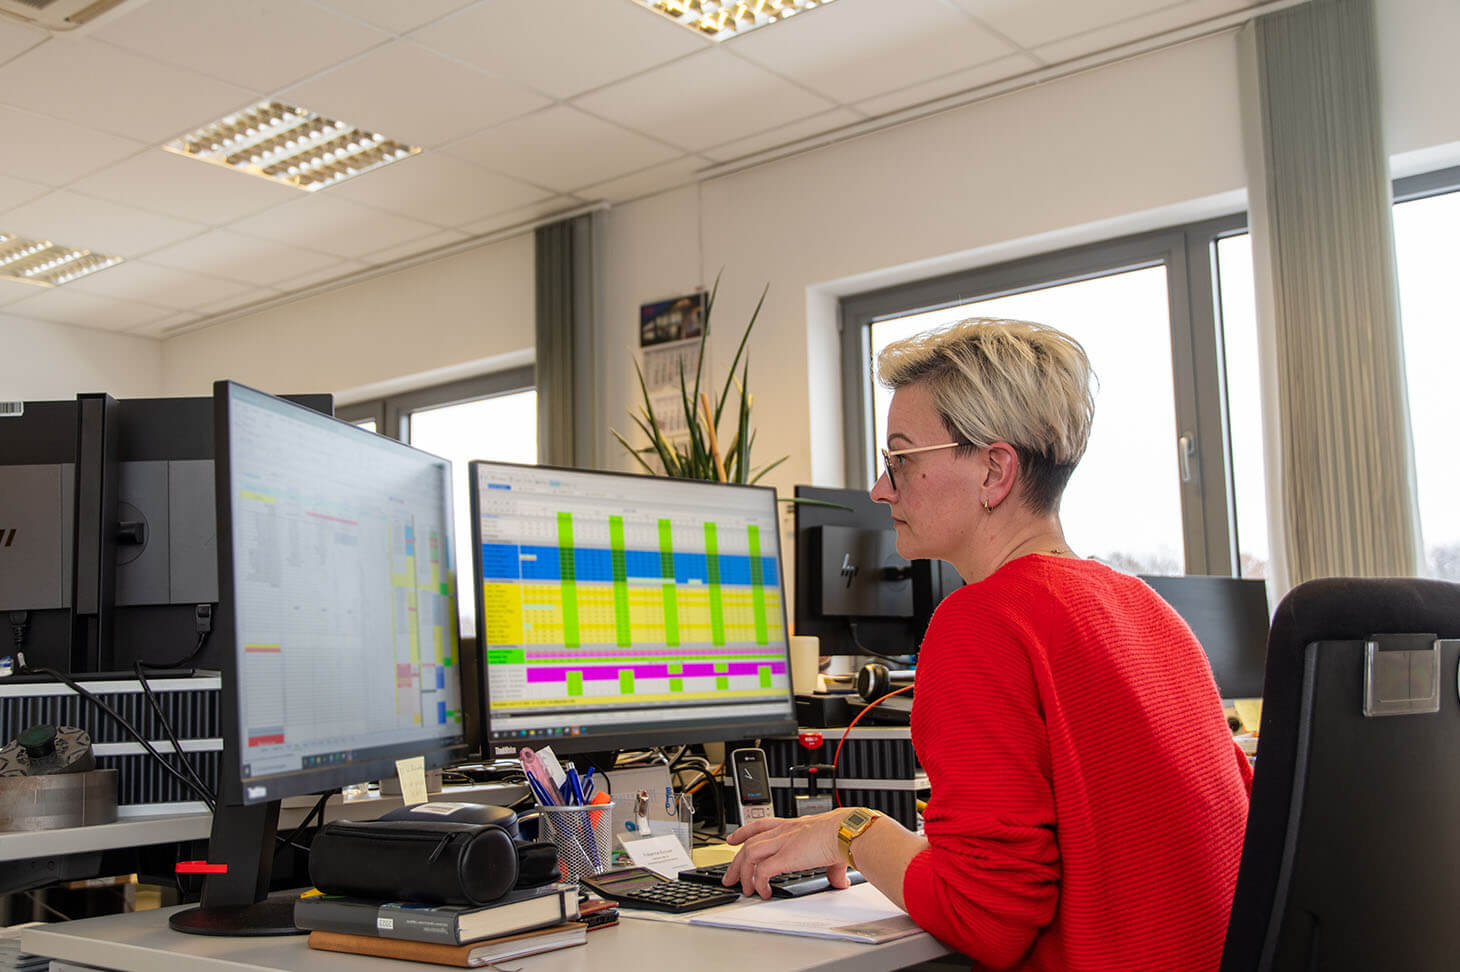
<point x="607" y="597"/>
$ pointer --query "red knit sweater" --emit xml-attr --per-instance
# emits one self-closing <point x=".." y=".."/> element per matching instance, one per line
<point x="1088" y="803"/>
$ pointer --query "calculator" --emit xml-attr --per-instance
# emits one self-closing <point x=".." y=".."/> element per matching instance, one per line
<point x="639" y="887"/>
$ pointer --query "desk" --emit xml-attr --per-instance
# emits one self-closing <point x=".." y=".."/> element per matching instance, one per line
<point x="142" y="942"/>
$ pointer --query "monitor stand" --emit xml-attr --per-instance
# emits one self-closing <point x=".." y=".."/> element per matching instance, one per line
<point x="237" y="903"/>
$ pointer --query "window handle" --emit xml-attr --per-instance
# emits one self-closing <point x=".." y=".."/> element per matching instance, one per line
<point x="1185" y="452"/>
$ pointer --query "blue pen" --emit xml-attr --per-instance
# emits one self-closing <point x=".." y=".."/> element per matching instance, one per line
<point x="586" y="784"/>
<point x="539" y="793"/>
<point x="574" y="794"/>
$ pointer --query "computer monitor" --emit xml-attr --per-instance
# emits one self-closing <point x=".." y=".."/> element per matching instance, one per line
<point x="338" y="609"/>
<point x="113" y="557"/>
<point x="617" y="611"/>
<point x="853" y="590"/>
<point x="1229" y="616"/>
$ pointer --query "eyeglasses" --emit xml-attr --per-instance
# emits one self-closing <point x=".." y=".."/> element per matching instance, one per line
<point x="888" y="455"/>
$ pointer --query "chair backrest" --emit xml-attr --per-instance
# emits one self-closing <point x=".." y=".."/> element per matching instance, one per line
<point x="1352" y="853"/>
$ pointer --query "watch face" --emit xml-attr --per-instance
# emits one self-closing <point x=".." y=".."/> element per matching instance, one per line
<point x="856" y="819"/>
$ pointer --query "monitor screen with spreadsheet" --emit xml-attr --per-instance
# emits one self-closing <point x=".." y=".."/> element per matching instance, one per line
<point x="618" y="611"/>
<point x="339" y="595"/>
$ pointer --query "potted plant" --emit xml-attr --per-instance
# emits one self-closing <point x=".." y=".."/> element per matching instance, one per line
<point x="698" y="454"/>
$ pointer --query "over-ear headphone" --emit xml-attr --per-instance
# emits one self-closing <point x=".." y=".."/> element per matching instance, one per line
<point x="875" y="680"/>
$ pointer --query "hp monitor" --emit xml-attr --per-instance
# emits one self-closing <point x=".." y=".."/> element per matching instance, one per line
<point x="853" y="590"/>
<point x="617" y="611"/>
<point x="337" y="608"/>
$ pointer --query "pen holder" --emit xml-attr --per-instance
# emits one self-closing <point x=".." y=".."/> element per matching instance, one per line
<point x="584" y="836"/>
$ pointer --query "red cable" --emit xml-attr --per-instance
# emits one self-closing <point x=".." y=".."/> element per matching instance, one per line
<point x="836" y="759"/>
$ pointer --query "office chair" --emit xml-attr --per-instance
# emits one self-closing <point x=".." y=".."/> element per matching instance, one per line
<point x="1352" y="854"/>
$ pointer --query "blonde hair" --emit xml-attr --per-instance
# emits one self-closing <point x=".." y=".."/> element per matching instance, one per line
<point x="995" y="380"/>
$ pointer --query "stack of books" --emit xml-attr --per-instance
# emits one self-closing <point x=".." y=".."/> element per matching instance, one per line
<point x="522" y="923"/>
<point x="11" y="957"/>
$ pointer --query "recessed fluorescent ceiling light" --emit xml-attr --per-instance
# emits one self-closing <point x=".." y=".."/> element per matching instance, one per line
<point x="723" y="20"/>
<point x="291" y="145"/>
<point x="43" y="262"/>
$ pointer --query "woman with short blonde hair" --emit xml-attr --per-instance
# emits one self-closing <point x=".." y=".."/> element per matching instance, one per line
<point x="1088" y="804"/>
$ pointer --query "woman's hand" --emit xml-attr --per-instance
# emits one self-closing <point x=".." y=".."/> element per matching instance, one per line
<point x="774" y="846"/>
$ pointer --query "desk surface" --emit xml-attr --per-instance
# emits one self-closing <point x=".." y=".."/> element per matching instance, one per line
<point x="142" y="942"/>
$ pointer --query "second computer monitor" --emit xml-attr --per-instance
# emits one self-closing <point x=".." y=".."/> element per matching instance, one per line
<point x="618" y="611"/>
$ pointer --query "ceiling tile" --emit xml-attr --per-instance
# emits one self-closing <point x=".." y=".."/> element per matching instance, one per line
<point x="949" y="84"/>
<point x="222" y="253"/>
<point x="13" y="290"/>
<point x="61" y="305"/>
<point x="13" y="192"/>
<point x="312" y="277"/>
<point x="154" y="284"/>
<point x="439" y="189"/>
<point x="55" y="152"/>
<point x="409" y="93"/>
<point x="330" y="224"/>
<point x="72" y="219"/>
<point x="18" y="38"/>
<point x="1136" y="28"/>
<point x="854" y="49"/>
<point x="704" y="99"/>
<point x="1030" y="23"/>
<point x="523" y="215"/>
<point x="225" y="306"/>
<point x="581" y="44"/>
<point x="562" y="148"/>
<point x="95" y="84"/>
<point x="186" y="188"/>
<point x="794" y="132"/>
<point x="649" y="181"/>
<point x="270" y="43"/>
<point x="415" y="247"/>
<point x="394" y="16"/>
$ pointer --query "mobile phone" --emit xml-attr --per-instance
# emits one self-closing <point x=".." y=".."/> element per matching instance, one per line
<point x="752" y="784"/>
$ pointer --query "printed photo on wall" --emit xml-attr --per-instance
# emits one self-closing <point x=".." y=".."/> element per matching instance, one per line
<point x="674" y="319"/>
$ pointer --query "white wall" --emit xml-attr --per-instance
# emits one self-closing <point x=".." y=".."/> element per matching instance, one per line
<point x="1154" y="132"/>
<point x="422" y="321"/>
<point x="41" y="361"/>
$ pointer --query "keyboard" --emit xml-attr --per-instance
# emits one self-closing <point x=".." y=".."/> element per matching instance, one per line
<point x="792" y="884"/>
<point x="639" y="888"/>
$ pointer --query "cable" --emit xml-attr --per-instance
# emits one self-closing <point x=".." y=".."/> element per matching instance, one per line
<point x="86" y="694"/>
<point x="171" y="736"/>
<point x="863" y="649"/>
<point x="185" y="661"/>
<point x="836" y="759"/>
<point x="713" y="782"/>
<point x="293" y="835"/>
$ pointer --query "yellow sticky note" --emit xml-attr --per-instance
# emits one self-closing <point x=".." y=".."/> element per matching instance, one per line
<point x="412" y="774"/>
<point x="1250" y="712"/>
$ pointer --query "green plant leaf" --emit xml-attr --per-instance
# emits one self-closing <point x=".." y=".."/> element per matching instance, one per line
<point x="730" y="376"/>
<point x="633" y="452"/>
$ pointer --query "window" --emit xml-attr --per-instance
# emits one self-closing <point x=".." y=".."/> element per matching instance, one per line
<point x="1152" y="492"/>
<point x="1238" y="307"/>
<point x="492" y="417"/>
<point x="1426" y="253"/>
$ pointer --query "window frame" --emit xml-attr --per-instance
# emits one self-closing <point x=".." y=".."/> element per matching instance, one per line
<point x="1188" y="253"/>
<point x="392" y="413"/>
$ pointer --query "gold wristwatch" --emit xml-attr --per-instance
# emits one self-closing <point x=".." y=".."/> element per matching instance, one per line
<point x="851" y="828"/>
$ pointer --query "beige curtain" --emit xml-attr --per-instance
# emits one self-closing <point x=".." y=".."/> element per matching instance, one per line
<point x="1339" y="457"/>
